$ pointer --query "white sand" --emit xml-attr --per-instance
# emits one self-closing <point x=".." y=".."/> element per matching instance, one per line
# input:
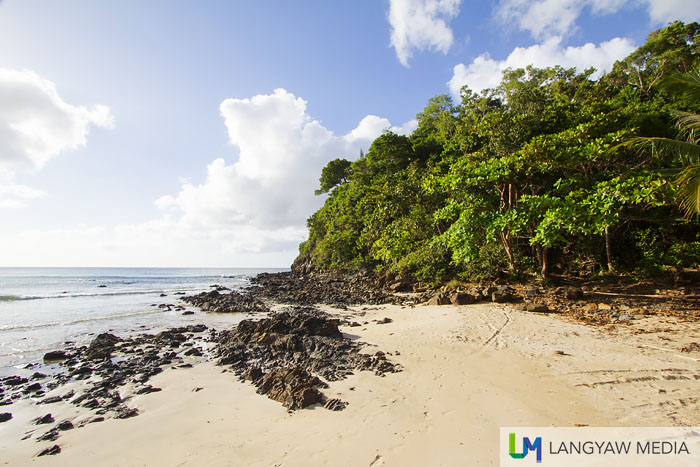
<point x="467" y="371"/>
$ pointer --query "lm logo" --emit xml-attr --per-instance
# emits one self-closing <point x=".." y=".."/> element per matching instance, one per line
<point x="527" y="447"/>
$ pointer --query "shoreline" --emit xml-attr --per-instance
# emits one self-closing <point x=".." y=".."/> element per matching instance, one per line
<point x="466" y="371"/>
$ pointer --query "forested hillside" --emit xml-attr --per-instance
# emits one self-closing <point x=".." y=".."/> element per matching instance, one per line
<point x="541" y="175"/>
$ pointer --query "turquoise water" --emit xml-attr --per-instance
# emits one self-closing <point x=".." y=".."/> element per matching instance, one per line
<point x="41" y="308"/>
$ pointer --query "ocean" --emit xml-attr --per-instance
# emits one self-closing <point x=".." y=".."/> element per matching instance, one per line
<point x="42" y="308"/>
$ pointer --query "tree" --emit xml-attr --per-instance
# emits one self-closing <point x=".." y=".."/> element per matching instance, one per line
<point x="335" y="173"/>
<point x="685" y="146"/>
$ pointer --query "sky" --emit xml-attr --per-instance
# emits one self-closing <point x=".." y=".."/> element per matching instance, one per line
<point x="192" y="133"/>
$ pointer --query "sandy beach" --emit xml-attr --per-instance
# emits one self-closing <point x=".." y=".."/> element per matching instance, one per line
<point x="467" y="370"/>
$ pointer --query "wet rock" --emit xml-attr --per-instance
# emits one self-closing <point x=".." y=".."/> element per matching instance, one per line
<point x="6" y="416"/>
<point x="102" y="346"/>
<point x="53" y="450"/>
<point x="55" y="356"/>
<point x="232" y="302"/>
<point x="14" y="381"/>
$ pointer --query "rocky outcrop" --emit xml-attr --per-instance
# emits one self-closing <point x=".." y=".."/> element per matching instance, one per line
<point x="232" y="302"/>
<point x="283" y="354"/>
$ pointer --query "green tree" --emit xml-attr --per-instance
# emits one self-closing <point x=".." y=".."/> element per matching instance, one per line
<point x="335" y="173"/>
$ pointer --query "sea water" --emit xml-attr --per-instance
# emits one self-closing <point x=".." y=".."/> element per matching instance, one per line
<point x="43" y="308"/>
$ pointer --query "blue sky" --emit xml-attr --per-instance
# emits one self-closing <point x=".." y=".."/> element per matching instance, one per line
<point x="192" y="133"/>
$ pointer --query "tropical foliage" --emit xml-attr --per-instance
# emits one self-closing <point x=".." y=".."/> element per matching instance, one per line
<point x="537" y="175"/>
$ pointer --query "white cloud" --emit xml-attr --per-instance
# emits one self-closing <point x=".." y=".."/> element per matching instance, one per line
<point x="664" y="11"/>
<point x="485" y="72"/>
<point x="421" y="25"/>
<point x="251" y="212"/>
<point x="14" y="196"/>
<point x="262" y="201"/>
<point x="36" y="124"/>
<point x="547" y="18"/>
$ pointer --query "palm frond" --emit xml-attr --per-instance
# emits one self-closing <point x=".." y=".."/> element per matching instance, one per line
<point x="689" y="190"/>
<point x="685" y="83"/>
<point x="688" y="151"/>
<point x="686" y="121"/>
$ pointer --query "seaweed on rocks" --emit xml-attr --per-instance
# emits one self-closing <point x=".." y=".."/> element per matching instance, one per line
<point x="282" y="355"/>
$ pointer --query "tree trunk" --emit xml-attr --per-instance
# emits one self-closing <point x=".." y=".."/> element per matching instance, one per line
<point x="545" y="264"/>
<point x="509" y="250"/>
<point x="608" y="250"/>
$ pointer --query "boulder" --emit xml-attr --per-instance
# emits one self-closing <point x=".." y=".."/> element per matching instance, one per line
<point x="537" y="308"/>
<point x="500" y="297"/>
<point x="6" y="416"/>
<point x="573" y="293"/>
<point x="439" y="299"/>
<point x="461" y="298"/>
<point x="55" y="356"/>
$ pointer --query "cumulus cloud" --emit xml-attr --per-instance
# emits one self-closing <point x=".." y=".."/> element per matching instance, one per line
<point x="485" y="72"/>
<point x="664" y="11"/>
<point x="261" y="201"/>
<point x="421" y="25"/>
<point x="548" y="18"/>
<point x="36" y="124"/>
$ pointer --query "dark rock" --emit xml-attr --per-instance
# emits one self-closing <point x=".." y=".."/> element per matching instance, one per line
<point x="14" y="381"/>
<point x="227" y="303"/>
<point x="34" y="387"/>
<point x="335" y="404"/>
<point x="537" y="308"/>
<point x="385" y="321"/>
<point x="293" y="387"/>
<point x="147" y="390"/>
<point x="102" y="346"/>
<point x="254" y="374"/>
<point x="53" y="450"/>
<point x="439" y="299"/>
<point x="38" y="375"/>
<point x="573" y="293"/>
<point x="194" y="352"/>
<point x="500" y="296"/>
<point x="460" y="298"/>
<point x="65" y="425"/>
<point x="51" y="435"/>
<point x="51" y="400"/>
<point x="48" y="418"/>
<point x="126" y="412"/>
<point x="6" y="416"/>
<point x="186" y="313"/>
<point x="55" y="356"/>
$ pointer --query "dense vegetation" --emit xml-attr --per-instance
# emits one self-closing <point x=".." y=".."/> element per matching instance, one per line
<point x="540" y="175"/>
